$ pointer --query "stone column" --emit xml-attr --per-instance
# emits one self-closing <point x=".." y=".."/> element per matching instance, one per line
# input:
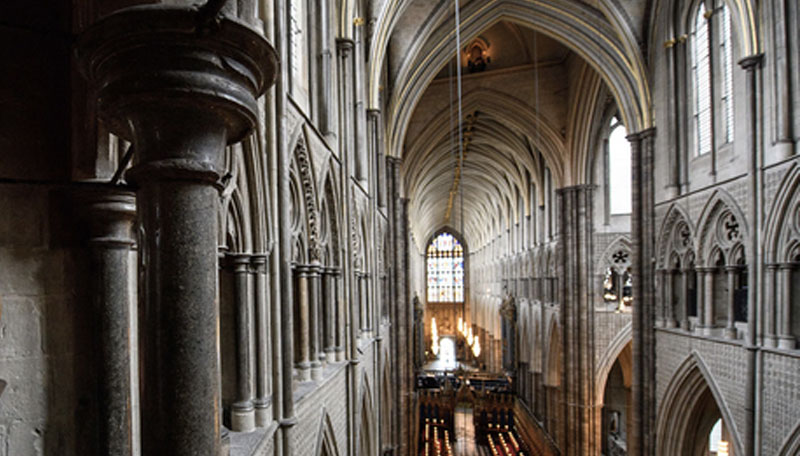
<point x="110" y="213"/>
<point x="303" y="349"/>
<point x="341" y="326"/>
<point x="685" y="294"/>
<point x="666" y="298"/>
<point x="771" y="306"/>
<point x="785" y="337"/>
<point x="708" y="301"/>
<point x="754" y="121"/>
<point x="314" y="293"/>
<point x="242" y="409"/>
<point x="577" y="318"/>
<point x="262" y="343"/>
<point x="730" y="327"/>
<point x="642" y="433"/>
<point x="329" y="313"/>
<point x="165" y="91"/>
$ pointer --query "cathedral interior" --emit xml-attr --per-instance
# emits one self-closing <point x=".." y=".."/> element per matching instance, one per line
<point x="400" y="227"/>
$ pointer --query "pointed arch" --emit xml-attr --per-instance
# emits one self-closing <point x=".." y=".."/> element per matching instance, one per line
<point x="719" y="206"/>
<point x="682" y="415"/>
<point x="366" y="429"/>
<point x="554" y="355"/>
<point x="791" y="445"/>
<point x="577" y="25"/>
<point x="783" y="228"/>
<point x="672" y="236"/>
<point x="621" y="243"/>
<point x="326" y="437"/>
<point x="621" y="341"/>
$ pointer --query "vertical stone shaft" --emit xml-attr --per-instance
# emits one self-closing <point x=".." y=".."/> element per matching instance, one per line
<point x="708" y="301"/>
<point x="786" y="339"/>
<point x="730" y="327"/>
<point x="303" y="362"/>
<point x="262" y="343"/>
<point x="242" y="410"/>
<point x="577" y="322"/>
<point x="314" y="320"/>
<point x="110" y="214"/>
<point x="642" y="435"/>
<point x="329" y="313"/>
<point x="686" y="296"/>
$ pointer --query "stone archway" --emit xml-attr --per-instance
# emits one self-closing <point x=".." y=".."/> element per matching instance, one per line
<point x="690" y="409"/>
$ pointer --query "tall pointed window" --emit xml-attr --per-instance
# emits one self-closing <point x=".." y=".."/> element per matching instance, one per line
<point x="701" y="75"/>
<point x="445" y="269"/>
<point x="619" y="169"/>
<point x="726" y="54"/>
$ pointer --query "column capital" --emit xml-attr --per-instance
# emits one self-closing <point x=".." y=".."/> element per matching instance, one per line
<point x="344" y="46"/>
<point x="160" y="85"/>
<point x="109" y="212"/>
<point x="751" y="62"/>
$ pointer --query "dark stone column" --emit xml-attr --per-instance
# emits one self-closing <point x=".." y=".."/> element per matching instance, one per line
<point x="262" y="342"/>
<point x="110" y="214"/>
<point x="160" y="85"/>
<point x="730" y="327"/>
<point x="642" y="434"/>
<point x="242" y="409"/>
<point x="577" y="318"/>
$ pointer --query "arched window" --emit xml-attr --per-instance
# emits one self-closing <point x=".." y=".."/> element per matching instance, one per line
<point x="712" y="59"/>
<point x="298" y="51"/>
<point x="726" y="54"/>
<point x="445" y="269"/>
<point x="619" y="169"/>
<point x="701" y="78"/>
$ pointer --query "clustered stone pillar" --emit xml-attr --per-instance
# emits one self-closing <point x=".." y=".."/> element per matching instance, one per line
<point x="339" y="303"/>
<point x="643" y="412"/>
<point x="708" y="301"/>
<point x="577" y="319"/>
<point x="242" y="409"/>
<point x="110" y="213"/>
<point x="160" y="86"/>
<point x="771" y="306"/>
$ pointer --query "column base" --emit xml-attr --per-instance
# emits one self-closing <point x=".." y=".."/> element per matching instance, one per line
<point x="787" y="342"/>
<point x="263" y="415"/>
<point x="340" y="354"/>
<point x="303" y="372"/>
<point x="730" y="333"/>
<point x="770" y="341"/>
<point x="685" y="325"/>
<point x="316" y="370"/>
<point x="243" y="418"/>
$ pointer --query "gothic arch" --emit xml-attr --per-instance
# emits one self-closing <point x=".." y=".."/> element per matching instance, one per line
<point x="554" y="355"/>
<point x="722" y="226"/>
<point x="611" y="257"/>
<point x="675" y="237"/>
<point x="366" y="443"/>
<point x="326" y="437"/>
<point x="576" y="25"/>
<point x="744" y="14"/>
<point x="610" y="355"/>
<point x="791" y="445"/>
<point x="682" y="415"/>
<point x="783" y="228"/>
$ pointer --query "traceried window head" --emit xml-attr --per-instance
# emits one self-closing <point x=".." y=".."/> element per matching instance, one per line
<point x="445" y="269"/>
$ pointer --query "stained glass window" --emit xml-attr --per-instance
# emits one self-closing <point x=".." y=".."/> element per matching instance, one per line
<point x="445" y="269"/>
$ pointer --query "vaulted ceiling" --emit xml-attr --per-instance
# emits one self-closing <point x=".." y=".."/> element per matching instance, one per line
<point x="552" y="67"/>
